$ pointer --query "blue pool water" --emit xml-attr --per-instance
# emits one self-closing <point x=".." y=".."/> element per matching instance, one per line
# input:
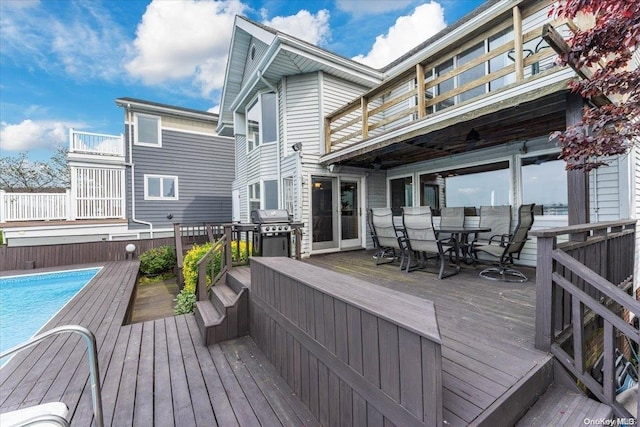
<point x="28" y="302"/>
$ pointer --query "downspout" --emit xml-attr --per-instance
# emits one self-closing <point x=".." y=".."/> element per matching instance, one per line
<point x="595" y="195"/>
<point x="132" y="165"/>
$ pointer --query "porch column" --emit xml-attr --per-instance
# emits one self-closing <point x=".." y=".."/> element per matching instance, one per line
<point x="577" y="180"/>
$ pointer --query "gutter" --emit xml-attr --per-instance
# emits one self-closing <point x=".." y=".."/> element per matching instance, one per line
<point x="132" y="165"/>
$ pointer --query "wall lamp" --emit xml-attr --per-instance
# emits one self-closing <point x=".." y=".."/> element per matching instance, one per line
<point x="297" y="146"/>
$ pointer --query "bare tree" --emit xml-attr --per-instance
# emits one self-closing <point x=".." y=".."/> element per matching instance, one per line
<point x="19" y="173"/>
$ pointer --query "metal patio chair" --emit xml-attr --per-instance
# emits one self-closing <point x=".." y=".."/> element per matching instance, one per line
<point x="385" y="235"/>
<point x="422" y="243"/>
<point x="506" y="248"/>
<point x="498" y="218"/>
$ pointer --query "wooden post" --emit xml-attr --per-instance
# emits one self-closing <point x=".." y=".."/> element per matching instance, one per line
<point x="420" y="91"/>
<point x="544" y="293"/>
<point x="517" y="43"/>
<point x="364" y="106"/>
<point x="227" y="243"/>
<point x="327" y="135"/>
<point x="577" y="180"/>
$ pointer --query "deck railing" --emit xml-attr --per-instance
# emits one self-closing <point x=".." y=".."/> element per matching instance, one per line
<point x="583" y="300"/>
<point x="95" y="143"/>
<point x="34" y="206"/>
<point x="509" y="52"/>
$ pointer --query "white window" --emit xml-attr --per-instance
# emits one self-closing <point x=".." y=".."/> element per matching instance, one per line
<point x="262" y="121"/>
<point x="287" y="190"/>
<point x="148" y="130"/>
<point x="254" y="197"/>
<point x="160" y="187"/>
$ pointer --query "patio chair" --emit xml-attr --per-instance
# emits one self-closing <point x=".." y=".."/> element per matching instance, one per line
<point x="422" y="243"/>
<point x="385" y="236"/>
<point x="498" y="218"/>
<point x="450" y="217"/>
<point x="505" y="249"/>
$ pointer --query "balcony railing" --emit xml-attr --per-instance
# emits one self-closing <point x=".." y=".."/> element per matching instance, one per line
<point x="511" y="51"/>
<point x="34" y="206"/>
<point x="95" y="143"/>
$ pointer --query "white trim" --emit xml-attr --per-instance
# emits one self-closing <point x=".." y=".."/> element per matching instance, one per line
<point x="195" y="132"/>
<point x="161" y="178"/>
<point x="137" y="129"/>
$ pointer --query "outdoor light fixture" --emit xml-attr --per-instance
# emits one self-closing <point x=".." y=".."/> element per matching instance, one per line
<point x="332" y="167"/>
<point x="297" y="146"/>
<point x="377" y="163"/>
<point x="130" y="248"/>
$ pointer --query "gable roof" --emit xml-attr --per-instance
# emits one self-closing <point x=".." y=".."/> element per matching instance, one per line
<point x="285" y="55"/>
<point x="156" y="107"/>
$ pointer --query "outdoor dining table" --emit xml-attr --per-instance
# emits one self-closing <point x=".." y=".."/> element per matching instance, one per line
<point x="461" y="235"/>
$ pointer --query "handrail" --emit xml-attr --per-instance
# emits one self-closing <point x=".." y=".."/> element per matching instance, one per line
<point x="92" y="356"/>
<point x="578" y="282"/>
<point x="208" y="259"/>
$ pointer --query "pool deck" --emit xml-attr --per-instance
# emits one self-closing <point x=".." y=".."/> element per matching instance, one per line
<point x="152" y="373"/>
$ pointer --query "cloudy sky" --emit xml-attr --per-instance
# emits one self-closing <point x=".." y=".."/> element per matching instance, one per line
<point x="64" y="62"/>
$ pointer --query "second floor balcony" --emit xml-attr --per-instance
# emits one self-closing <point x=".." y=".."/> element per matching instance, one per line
<point x="489" y="80"/>
<point x="96" y="147"/>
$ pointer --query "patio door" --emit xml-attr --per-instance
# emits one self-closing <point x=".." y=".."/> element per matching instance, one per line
<point x="335" y="213"/>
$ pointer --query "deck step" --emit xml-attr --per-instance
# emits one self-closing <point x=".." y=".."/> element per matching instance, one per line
<point x="239" y="278"/>
<point x="225" y="315"/>
<point x="560" y="406"/>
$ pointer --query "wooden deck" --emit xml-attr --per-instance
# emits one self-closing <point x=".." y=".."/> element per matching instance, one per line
<point x="487" y="331"/>
<point x="152" y="373"/>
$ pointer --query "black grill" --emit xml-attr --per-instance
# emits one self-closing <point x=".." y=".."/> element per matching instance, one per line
<point x="274" y="235"/>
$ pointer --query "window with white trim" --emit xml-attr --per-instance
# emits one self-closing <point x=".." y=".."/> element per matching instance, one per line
<point x="262" y="121"/>
<point x="287" y="191"/>
<point x="160" y="187"/>
<point x="148" y="130"/>
<point x="401" y="193"/>
<point x="254" y="197"/>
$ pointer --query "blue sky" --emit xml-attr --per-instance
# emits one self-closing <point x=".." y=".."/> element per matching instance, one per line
<point x="64" y="62"/>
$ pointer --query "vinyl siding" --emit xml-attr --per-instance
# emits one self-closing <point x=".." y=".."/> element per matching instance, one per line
<point x="250" y="65"/>
<point x="335" y="94"/>
<point x="203" y="164"/>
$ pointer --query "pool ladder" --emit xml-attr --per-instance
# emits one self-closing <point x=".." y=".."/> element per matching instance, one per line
<point x="94" y="373"/>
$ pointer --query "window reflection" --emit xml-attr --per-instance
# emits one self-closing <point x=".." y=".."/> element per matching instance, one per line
<point x="544" y="182"/>
<point x="401" y="193"/>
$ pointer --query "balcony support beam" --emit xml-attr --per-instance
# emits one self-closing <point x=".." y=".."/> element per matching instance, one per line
<point x="518" y="46"/>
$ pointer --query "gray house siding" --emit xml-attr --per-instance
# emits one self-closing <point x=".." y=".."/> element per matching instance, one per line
<point x="204" y="167"/>
<point x="251" y="64"/>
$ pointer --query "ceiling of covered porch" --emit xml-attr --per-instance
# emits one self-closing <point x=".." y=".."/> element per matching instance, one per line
<point x="484" y="128"/>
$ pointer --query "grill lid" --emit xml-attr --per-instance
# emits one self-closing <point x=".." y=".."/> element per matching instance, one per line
<point x="269" y="216"/>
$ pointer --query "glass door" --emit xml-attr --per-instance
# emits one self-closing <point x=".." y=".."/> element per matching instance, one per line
<point x="324" y="212"/>
<point x="349" y="214"/>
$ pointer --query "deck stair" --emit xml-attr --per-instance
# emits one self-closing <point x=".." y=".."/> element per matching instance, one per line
<point x="562" y="406"/>
<point x="225" y="315"/>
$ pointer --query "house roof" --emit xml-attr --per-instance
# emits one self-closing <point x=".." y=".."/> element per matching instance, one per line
<point x="156" y="107"/>
<point x="285" y="55"/>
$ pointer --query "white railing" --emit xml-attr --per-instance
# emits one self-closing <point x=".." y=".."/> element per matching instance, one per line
<point x="95" y="143"/>
<point x="34" y="206"/>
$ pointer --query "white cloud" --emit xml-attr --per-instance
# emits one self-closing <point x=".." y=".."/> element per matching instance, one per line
<point x="185" y="39"/>
<point x="30" y="134"/>
<point x="304" y="25"/>
<point x="407" y="32"/>
<point x="215" y="109"/>
<point x="80" y="40"/>
<point x="368" y="7"/>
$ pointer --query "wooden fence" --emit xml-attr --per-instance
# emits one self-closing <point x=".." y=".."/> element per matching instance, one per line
<point x="583" y="291"/>
<point x="27" y="257"/>
<point x="355" y="353"/>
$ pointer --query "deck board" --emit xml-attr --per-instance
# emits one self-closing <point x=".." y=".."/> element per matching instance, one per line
<point x="154" y="372"/>
<point x="487" y="328"/>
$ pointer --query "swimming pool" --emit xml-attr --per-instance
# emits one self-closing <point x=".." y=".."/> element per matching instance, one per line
<point x="29" y="301"/>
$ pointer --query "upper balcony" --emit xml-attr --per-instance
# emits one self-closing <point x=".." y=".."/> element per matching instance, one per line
<point x="96" y="147"/>
<point x="485" y="81"/>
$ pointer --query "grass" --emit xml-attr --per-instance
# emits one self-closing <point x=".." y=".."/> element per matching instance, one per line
<point x="148" y="280"/>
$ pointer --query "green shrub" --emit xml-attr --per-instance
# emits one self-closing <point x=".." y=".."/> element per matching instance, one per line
<point x="157" y="260"/>
<point x="186" y="299"/>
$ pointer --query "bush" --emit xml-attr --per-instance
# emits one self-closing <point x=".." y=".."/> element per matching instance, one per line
<point x="187" y="298"/>
<point x="157" y="260"/>
<point x="185" y="301"/>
